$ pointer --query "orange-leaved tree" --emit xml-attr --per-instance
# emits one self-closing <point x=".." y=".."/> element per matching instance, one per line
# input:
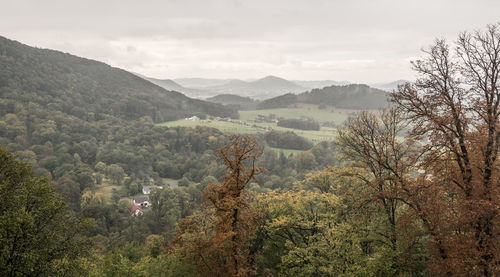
<point x="454" y="106"/>
<point x="234" y="219"/>
<point x="221" y="246"/>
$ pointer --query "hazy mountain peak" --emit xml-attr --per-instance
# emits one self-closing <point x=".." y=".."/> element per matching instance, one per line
<point x="273" y="82"/>
<point x="236" y="82"/>
<point x="272" y="77"/>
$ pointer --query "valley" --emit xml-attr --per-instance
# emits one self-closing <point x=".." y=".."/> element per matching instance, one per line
<point x="253" y="122"/>
<point x="270" y="164"/>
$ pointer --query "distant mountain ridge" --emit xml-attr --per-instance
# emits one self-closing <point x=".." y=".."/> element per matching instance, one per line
<point x="258" y="89"/>
<point x="320" y="83"/>
<point x="201" y="83"/>
<point x="267" y="87"/>
<point x="173" y="86"/>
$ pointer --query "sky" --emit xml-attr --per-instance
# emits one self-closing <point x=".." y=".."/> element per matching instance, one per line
<point x="363" y="41"/>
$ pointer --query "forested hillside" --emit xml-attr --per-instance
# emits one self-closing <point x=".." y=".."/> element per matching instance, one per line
<point x="87" y="89"/>
<point x="64" y="115"/>
<point x="352" y="96"/>
<point x="90" y="130"/>
<point x="244" y="103"/>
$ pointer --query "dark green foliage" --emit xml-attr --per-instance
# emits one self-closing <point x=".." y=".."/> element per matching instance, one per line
<point x="287" y="140"/>
<point x="65" y="114"/>
<point x="301" y="124"/>
<point x="347" y="97"/>
<point x="282" y="101"/>
<point x="244" y="103"/>
<point x="37" y="232"/>
<point x="87" y="89"/>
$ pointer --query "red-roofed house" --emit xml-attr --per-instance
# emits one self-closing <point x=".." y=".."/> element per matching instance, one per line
<point x="136" y="210"/>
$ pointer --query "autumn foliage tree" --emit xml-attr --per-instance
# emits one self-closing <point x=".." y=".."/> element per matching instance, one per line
<point x="219" y="246"/>
<point x="455" y="106"/>
<point x="448" y="182"/>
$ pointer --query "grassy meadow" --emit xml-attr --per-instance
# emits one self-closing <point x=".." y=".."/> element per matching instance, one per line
<point x="248" y="124"/>
<point x="329" y="114"/>
<point x="106" y="190"/>
<point x="224" y="126"/>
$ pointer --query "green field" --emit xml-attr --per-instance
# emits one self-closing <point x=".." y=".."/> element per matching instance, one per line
<point x="329" y="114"/>
<point x="247" y="123"/>
<point x="242" y="127"/>
<point x="224" y="126"/>
<point x="106" y="190"/>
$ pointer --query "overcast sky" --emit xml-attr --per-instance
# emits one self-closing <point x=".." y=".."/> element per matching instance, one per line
<point x="353" y="40"/>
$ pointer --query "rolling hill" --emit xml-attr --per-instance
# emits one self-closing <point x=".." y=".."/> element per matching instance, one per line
<point x="352" y="96"/>
<point x="267" y="87"/>
<point x="89" y="89"/>
<point x="64" y="114"/>
<point x="264" y="88"/>
<point x="243" y="103"/>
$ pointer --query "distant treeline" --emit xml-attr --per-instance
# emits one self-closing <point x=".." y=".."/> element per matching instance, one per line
<point x="301" y="124"/>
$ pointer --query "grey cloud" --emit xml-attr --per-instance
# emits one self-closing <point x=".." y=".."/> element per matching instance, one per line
<point x="308" y="39"/>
